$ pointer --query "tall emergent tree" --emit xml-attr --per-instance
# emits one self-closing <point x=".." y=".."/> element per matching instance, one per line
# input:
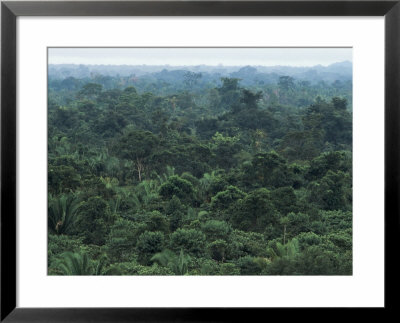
<point x="137" y="146"/>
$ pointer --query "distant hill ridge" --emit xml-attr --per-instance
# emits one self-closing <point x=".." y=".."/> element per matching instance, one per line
<point x="336" y="71"/>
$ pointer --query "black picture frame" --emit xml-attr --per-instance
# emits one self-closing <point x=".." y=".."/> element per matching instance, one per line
<point x="10" y="10"/>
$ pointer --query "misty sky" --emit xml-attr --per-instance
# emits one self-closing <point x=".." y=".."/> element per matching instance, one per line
<point x="200" y="56"/>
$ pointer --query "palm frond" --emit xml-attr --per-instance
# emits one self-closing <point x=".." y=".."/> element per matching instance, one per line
<point x="62" y="213"/>
<point x="75" y="264"/>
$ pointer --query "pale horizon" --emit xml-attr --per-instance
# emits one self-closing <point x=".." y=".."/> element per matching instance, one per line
<point x="223" y="57"/>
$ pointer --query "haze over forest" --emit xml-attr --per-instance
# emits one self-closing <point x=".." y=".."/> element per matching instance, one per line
<point x="336" y="71"/>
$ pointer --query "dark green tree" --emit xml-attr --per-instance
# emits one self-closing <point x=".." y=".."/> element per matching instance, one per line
<point x="254" y="212"/>
<point x="137" y="146"/>
<point x="148" y="244"/>
<point x="191" y="241"/>
<point x="94" y="221"/>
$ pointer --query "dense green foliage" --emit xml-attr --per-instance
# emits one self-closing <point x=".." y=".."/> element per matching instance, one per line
<point x="198" y="177"/>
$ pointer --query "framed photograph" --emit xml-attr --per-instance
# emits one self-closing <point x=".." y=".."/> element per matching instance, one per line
<point x="179" y="160"/>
